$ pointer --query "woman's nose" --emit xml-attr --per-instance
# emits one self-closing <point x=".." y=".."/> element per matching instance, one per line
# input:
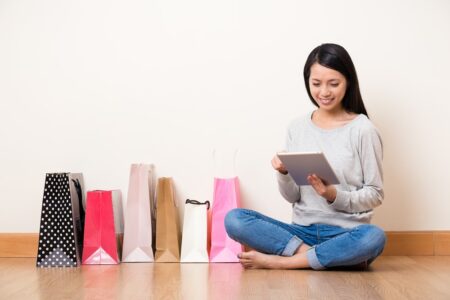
<point x="324" y="92"/>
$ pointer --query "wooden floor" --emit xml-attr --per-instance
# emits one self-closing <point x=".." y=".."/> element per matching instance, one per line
<point x="390" y="277"/>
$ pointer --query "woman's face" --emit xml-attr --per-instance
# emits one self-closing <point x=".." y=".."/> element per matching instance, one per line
<point x="327" y="87"/>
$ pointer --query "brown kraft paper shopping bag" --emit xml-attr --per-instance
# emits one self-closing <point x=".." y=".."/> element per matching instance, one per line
<point x="168" y="233"/>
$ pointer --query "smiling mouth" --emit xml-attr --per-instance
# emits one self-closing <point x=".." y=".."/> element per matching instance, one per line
<point x="326" y="101"/>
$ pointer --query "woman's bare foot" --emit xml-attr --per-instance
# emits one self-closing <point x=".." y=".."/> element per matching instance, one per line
<point x="257" y="260"/>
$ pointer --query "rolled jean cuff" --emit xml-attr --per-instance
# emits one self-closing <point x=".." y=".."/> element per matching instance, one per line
<point x="313" y="260"/>
<point x="292" y="246"/>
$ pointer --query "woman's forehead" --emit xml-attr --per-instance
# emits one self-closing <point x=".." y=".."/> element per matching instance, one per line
<point x="319" y="72"/>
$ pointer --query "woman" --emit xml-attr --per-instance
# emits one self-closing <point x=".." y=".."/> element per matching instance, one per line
<point x="330" y="225"/>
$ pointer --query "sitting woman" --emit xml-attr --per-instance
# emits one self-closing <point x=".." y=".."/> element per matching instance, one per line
<point x="330" y="226"/>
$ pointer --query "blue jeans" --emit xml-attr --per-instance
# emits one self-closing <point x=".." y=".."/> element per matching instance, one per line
<point x="331" y="246"/>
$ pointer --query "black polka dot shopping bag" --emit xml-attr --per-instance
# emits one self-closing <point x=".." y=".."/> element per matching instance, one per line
<point x="62" y="221"/>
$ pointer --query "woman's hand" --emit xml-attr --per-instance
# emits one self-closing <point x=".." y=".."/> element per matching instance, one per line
<point x="327" y="191"/>
<point x="278" y="165"/>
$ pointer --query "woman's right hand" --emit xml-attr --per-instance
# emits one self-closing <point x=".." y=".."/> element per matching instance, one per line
<point x="278" y="165"/>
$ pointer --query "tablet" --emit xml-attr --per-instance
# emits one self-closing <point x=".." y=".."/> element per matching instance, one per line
<point x="301" y="164"/>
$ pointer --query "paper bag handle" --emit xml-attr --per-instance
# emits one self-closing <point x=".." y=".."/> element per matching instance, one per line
<point x="198" y="202"/>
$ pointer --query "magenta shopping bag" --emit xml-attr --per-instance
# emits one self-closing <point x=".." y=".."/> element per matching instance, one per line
<point x="103" y="232"/>
<point x="226" y="197"/>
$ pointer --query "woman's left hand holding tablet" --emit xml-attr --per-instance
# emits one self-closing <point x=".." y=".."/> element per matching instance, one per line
<point x="327" y="191"/>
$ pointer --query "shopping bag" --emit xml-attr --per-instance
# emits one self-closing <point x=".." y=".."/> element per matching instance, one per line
<point x="167" y="223"/>
<point x="103" y="231"/>
<point x="195" y="232"/>
<point x="60" y="233"/>
<point x="226" y="197"/>
<point x="139" y="216"/>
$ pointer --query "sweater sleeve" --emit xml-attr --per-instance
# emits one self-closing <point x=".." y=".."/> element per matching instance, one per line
<point x="286" y="185"/>
<point x="371" y="194"/>
<point x="288" y="188"/>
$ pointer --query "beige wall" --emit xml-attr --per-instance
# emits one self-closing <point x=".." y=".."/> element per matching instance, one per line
<point x="93" y="86"/>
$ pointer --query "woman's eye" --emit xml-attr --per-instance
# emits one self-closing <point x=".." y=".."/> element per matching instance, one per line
<point x="334" y="84"/>
<point x="316" y="84"/>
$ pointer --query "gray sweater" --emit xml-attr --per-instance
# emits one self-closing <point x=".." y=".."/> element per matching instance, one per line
<point x="355" y="153"/>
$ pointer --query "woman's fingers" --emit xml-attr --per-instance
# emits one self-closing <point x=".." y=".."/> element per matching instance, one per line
<point x="313" y="178"/>
<point x="316" y="183"/>
<point x="276" y="162"/>
<point x="278" y="165"/>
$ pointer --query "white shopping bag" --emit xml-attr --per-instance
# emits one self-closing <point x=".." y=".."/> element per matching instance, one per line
<point x="194" y="247"/>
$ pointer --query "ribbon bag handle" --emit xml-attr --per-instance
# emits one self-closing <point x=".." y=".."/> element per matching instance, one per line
<point x="77" y="185"/>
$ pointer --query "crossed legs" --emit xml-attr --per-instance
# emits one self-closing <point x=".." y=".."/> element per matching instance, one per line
<point x="278" y="245"/>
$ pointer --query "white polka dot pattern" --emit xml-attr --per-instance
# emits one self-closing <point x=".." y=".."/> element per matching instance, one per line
<point x="57" y="246"/>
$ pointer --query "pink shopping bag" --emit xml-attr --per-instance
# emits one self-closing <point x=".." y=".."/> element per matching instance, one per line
<point x="226" y="197"/>
<point x="138" y="243"/>
<point x="103" y="230"/>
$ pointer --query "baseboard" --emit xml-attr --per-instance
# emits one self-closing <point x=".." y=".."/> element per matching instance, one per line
<point x="18" y="244"/>
<point x="433" y="243"/>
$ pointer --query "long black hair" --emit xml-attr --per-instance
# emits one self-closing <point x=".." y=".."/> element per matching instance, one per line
<point x="337" y="58"/>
